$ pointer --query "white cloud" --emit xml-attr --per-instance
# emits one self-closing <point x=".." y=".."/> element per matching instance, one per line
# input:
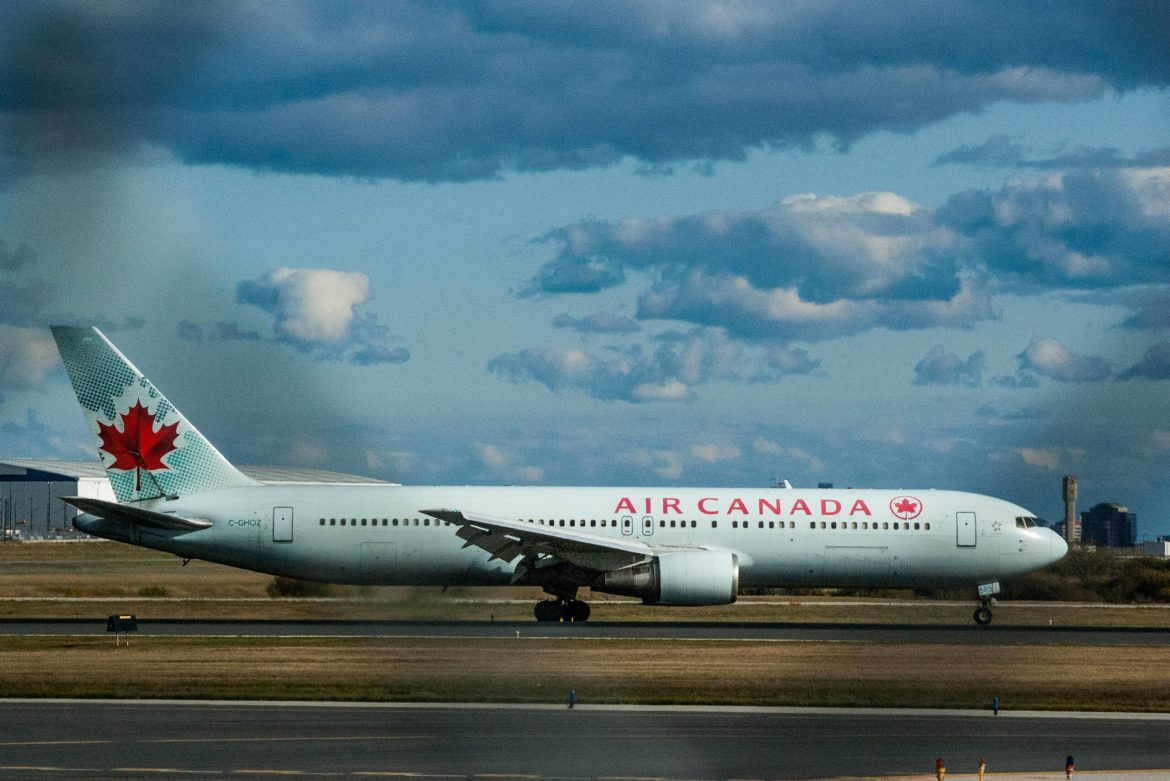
<point x="1050" y="358"/>
<point x="315" y="311"/>
<point x="531" y="474"/>
<point x="711" y="453"/>
<point x="27" y="355"/>
<point x="492" y="456"/>
<point x="313" y="305"/>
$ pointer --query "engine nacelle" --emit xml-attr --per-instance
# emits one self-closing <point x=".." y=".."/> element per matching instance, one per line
<point x="685" y="577"/>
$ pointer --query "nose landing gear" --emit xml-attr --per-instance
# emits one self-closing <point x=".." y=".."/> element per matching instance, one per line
<point x="987" y="592"/>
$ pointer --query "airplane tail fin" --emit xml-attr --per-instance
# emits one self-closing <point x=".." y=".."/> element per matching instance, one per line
<point x="146" y="445"/>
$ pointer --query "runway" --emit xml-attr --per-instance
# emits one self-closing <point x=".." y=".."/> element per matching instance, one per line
<point x="86" y="739"/>
<point x="764" y="631"/>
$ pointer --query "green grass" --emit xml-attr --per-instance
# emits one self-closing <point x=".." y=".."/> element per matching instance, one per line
<point x="610" y="671"/>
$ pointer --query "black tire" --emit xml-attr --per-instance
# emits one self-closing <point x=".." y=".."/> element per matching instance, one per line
<point x="547" y="610"/>
<point x="983" y="616"/>
<point x="576" y="610"/>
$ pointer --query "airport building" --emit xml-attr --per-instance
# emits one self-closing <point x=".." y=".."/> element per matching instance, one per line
<point x="1109" y="525"/>
<point x="31" y="491"/>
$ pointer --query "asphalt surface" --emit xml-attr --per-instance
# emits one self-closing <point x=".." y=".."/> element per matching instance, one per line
<point x="89" y="740"/>
<point x="893" y="633"/>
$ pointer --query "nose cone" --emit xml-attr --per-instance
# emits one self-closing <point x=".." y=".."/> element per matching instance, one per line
<point x="1057" y="546"/>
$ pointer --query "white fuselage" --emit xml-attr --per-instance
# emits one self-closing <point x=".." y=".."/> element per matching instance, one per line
<point x="378" y="534"/>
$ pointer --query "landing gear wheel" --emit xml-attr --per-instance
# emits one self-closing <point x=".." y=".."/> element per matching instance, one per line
<point x="983" y="615"/>
<point x="548" y="610"/>
<point x="575" y="610"/>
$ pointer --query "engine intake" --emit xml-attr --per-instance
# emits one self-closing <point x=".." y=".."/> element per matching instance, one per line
<point x="686" y="577"/>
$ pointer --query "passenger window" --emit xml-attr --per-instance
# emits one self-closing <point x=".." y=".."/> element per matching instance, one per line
<point x="714" y="524"/>
<point x="322" y="521"/>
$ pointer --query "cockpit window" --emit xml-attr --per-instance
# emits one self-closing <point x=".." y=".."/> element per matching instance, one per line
<point x="1025" y="523"/>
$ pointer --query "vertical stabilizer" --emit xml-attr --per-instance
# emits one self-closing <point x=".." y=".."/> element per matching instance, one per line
<point x="146" y="445"/>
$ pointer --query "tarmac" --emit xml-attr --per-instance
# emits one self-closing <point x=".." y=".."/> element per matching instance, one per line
<point x="1056" y="775"/>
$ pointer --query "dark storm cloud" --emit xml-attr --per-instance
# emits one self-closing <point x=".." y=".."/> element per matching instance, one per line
<point x="1086" y="228"/>
<point x="824" y="267"/>
<point x="431" y="92"/>
<point x="1003" y="152"/>
<point x="597" y="323"/>
<point x="1150" y="306"/>
<point x="669" y="372"/>
<point x="20" y="255"/>
<point x="942" y="368"/>
<point x="1154" y="365"/>
<point x="807" y="267"/>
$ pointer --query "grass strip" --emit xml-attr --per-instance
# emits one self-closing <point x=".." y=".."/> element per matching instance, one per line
<point x="612" y="671"/>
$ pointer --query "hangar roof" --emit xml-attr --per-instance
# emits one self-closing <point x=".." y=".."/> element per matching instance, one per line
<point x="265" y="474"/>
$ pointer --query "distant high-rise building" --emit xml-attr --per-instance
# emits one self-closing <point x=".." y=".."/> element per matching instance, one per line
<point x="1109" y="525"/>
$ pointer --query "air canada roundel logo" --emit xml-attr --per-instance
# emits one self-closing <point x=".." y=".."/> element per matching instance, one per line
<point x="905" y="507"/>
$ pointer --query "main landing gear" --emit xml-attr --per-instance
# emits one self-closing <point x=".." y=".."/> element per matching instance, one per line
<point x="561" y="610"/>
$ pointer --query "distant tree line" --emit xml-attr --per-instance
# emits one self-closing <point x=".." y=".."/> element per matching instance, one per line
<point x="1084" y="575"/>
<point x="1101" y="575"/>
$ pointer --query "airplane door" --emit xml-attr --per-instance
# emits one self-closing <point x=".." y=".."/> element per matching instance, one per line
<point x="282" y="524"/>
<point x="965" y="530"/>
<point x="627" y="525"/>
<point x="647" y="525"/>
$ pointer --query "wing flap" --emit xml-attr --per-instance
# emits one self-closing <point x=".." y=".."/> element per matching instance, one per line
<point x="506" y="539"/>
<point x="129" y="513"/>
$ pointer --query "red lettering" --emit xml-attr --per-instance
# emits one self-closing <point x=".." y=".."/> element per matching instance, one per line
<point x="703" y="506"/>
<point x="774" y="509"/>
<point x="626" y="505"/>
<point x="670" y="505"/>
<point x="859" y="507"/>
<point x="737" y="506"/>
<point x="800" y="506"/>
<point x="648" y="510"/>
<point x="827" y="503"/>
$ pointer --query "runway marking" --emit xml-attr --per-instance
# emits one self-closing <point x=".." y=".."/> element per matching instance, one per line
<point x="173" y="771"/>
<point x="56" y="743"/>
<point x="407" y="774"/>
<point x="322" y="739"/>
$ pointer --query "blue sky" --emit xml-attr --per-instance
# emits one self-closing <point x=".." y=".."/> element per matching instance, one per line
<point x="897" y="245"/>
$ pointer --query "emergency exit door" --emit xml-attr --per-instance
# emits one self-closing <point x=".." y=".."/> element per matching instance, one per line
<point x="965" y="530"/>
<point x="282" y="524"/>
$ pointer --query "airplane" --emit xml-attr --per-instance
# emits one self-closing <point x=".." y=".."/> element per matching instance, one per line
<point x="663" y="545"/>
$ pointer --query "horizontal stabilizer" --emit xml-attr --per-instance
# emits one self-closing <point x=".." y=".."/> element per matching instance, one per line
<point x="128" y="513"/>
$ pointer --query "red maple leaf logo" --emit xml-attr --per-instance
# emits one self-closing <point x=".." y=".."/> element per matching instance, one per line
<point x="906" y="507"/>
<point x="138" y="445"/>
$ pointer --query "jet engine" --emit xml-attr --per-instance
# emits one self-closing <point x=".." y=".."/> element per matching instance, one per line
<point x="685" y="577"/>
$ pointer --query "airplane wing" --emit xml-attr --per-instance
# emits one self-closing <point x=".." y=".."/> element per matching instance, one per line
<point x="506" y="539"/>
<point x="136" y="515"/>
